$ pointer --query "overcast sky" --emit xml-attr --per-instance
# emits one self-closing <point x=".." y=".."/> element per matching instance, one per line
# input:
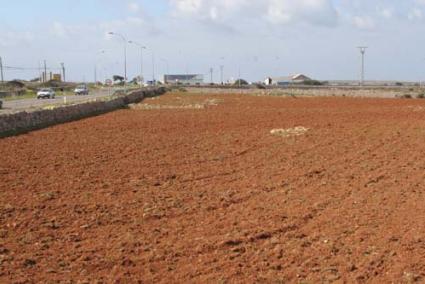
<point x="259" y="37"/>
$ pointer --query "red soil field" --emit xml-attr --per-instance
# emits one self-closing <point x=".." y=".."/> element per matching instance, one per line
<point x="207" y="194"/>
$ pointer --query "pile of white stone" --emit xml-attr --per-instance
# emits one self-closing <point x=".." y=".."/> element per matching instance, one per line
<point x="290" y="132"/>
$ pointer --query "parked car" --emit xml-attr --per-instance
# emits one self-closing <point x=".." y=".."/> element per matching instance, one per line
<point x="46" y="94"/>
<point x="81" y="90"/>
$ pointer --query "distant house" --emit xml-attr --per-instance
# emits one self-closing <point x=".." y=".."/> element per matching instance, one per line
<point x="187" y="79"/>
<point x="268" y="81"/>
<point x="287" y="80"/>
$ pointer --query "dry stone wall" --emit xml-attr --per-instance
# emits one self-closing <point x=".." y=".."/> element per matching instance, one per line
<point x="313" y="92"/>
<point x="16" y="123"/>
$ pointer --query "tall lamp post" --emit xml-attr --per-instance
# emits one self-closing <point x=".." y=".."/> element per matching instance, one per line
<point x="153" y="68"/>
<point x="125" y="53"/>
<point x="222" y="70"/>
<point x="166" y="65"/>
<point x="362" y="51"/>
<point x="95" y="65"/>
<point x="141" y="46"/>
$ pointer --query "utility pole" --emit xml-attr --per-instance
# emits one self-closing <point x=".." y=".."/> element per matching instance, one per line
<point x="362" y="76"/>
<point x="239" y="75"/>
<point x="63" y="71"/>
<point x="211" y="74"/>
<point x="95" y="75"/>
<point x="39" y="72"/>
<point x="141" y="58"/>
<point x="221" y="74"/>
<point x="45" y="72"/>
<point x="141" y="65"/>
<point x="167" y="66"/>
<point x="153" y="68"/>
<point x="125" y="53"/>
<point x="1" y="70"/>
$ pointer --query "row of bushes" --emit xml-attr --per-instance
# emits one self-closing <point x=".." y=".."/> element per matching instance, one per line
<point x="409" y="96"/>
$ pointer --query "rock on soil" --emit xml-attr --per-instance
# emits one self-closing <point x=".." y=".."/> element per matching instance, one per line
<point x="297" y="131"/>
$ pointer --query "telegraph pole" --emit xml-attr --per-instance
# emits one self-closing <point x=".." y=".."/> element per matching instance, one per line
<point x="141" y="58"/>
<point x="221" y="73"/>
<point x="1" y="70"/>
<point x="362" y="51"/>
<point x="239" y="75"/>
<point x="45" y="72"/>
<point x="153" y="68"/>
<point x="40" y="77"/>
<point x="125" y="53"/>
<point x="211" y="74"/>
<point x="63" y="71"/>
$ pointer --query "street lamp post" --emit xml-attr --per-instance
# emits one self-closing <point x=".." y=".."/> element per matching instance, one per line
<point x="222" y="71"/>
<point x="95" y="66"/>
<point x="362" y="51"/>
<point x="125" y="53"/>
<point x="166" y="64"/>
<point x="153" y="68"/>
<point x="141" y="58"/>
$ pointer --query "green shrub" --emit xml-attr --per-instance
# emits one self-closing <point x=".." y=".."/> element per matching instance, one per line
<point x="240" y="82"/>
<point x="312" y="83"/>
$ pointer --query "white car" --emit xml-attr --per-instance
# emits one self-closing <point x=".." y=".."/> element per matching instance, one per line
<point x="81" y="90"/>
<point x="46" y="93"/>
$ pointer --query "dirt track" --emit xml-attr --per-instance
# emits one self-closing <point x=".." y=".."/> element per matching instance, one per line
<point x="208" y="194"/>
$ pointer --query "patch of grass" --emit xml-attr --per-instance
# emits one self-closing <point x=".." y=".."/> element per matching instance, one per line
<point x="29" y="94"/>
<point x="406" y="96"/>
<point x="421" y="96"/>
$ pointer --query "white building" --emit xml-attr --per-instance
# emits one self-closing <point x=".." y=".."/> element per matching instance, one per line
<point x="286" y="80"/>
<point x="188" y="79"/>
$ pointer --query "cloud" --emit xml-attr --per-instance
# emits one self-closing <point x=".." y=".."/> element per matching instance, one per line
<point x="420" y="2"/>
<point x="188" y="6"/>
<point x="386" y="13"/>
<point x="277" y="12"/>
<point x="314" y="12"/>
<point x="364" y="22"/>
<point x="13" y="38"/>
<point x="59" y="30"/>
<point x="133" y="7"/>
<point x="415" y="14"/>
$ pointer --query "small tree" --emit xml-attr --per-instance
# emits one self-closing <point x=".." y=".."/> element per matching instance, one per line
<point x="312" y="83"/>
<point x="241" y="82"/>
<point x="118" y="78"/>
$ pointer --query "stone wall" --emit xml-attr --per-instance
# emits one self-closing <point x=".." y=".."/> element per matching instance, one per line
<point x="315" y="91"/>
<point x="12" y="124"/>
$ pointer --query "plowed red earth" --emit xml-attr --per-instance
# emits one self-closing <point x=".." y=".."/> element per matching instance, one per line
<point x="209" y="195"/>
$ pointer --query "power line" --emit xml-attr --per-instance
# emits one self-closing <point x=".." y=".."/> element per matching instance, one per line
<point x="27" y="68"/>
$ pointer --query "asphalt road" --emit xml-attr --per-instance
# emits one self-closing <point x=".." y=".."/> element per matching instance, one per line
<point x="27" y="104"/>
